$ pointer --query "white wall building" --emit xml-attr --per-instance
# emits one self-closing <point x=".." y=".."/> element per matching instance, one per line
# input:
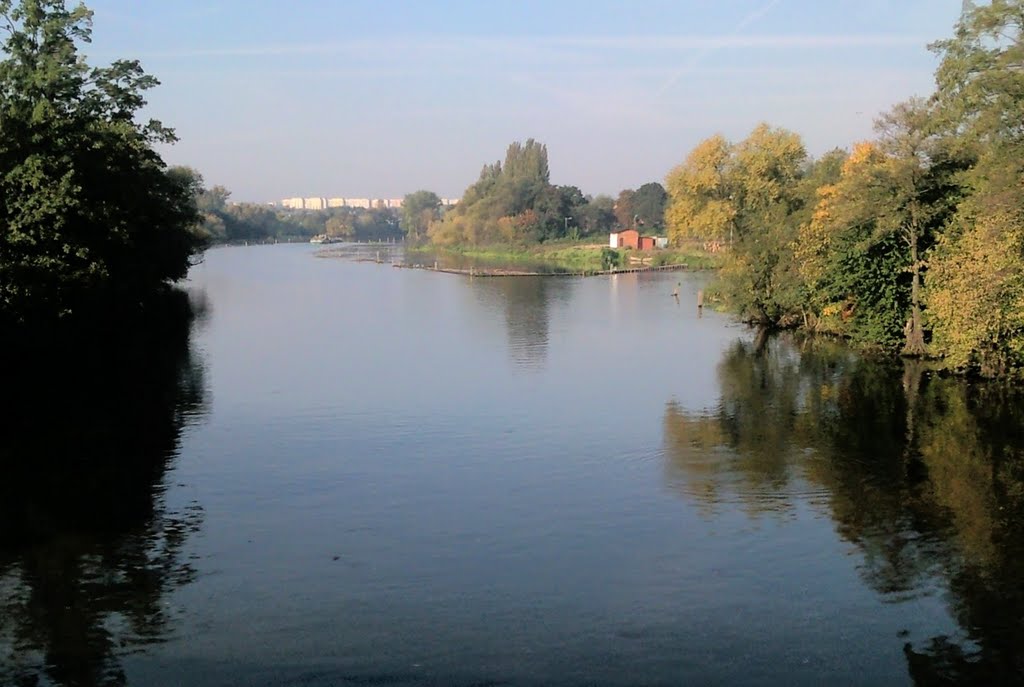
<point x="338" y="202"/>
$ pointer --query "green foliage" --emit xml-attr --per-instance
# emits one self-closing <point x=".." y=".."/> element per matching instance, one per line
<point x="597" y="216"/>
<point x="90" y="213"/>
<point x="644" y="207"/>
<point x="515" y="203"/>
<point x="764" y="184"/>
<point x="649" y="205"/>
<point x="976" y="288"/>
<point x="610" y="258"/>
<point x="355" y="224"/>
<point x="567" y="255"/>
<point x="221" y="221"/>
<point x="868" y="289"/>
<point x="863" y="246"/>
<point x="745" y="196"/>
<point x="980" y="79"/>
<point x="419" y="209"/>
<point x="912" y="242"/>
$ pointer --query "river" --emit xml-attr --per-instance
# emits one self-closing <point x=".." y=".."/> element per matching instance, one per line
<point x="350" y="474"/>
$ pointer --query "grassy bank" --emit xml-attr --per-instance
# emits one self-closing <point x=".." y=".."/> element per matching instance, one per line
<point x="581" y="256"/>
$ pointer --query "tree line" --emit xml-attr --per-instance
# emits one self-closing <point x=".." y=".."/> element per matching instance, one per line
<point x="93" y="223"/>
<point x="514" y="203"/>
<point x="912" y="242"/>
<point x="223" y="221"/>
<point x="96" y="227"/>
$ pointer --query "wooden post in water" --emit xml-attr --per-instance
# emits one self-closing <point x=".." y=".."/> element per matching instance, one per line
<point x="700" y="300"/>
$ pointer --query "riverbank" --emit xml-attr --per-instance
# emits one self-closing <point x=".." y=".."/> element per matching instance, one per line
<point x="511" y="272"/>
<point x="581" y="257"/>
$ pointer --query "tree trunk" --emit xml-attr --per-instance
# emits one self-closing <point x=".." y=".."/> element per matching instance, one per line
<point x="914" y="330"/>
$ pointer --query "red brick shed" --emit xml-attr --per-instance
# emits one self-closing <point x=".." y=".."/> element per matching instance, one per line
<point x="646" y="243"/>
<point x="629" y="238"/>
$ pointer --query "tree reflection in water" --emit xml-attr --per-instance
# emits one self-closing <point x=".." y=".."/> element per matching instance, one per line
<point x="88" y="549"/>
<point x="925" y="475"/>
<point x="526" y="303"/>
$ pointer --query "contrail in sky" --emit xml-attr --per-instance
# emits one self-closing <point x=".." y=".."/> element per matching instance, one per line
<point x="692" y="63"/>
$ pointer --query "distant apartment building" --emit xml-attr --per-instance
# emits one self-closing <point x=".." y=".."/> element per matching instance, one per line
<point x="338" y="202"/>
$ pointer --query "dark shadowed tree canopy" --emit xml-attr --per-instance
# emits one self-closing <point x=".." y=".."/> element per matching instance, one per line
<point x="89" y="214"/>
<point x="649" y="205"/>
<point x="624" y="208"/>
<point x="597" y="216"/>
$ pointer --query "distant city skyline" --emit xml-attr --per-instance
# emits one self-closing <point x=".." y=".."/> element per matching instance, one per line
<point x="325" y="203"/>
<point x="393" y="97"/>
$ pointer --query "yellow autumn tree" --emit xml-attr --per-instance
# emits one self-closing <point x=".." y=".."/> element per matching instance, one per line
<point x="814" y="240"/>
<point x="699" y="204"/>
<point x="767" y="165"/>
<point x="864" y="250"/>
<point x="764" y="183"/>
<point x="976" y="294"/>
<point x="975" y="289"/>
<point x="840" y="219"/>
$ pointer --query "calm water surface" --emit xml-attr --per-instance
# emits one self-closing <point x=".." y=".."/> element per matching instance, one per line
<point x="353" y="474"/>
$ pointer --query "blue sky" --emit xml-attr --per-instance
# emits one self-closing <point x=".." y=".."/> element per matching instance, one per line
<point x="379" y="99"/>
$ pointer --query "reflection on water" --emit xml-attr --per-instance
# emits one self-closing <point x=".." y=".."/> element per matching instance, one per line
<point x="88" y="550"/>
<point x="924" y="475"/>
<point x="526" y="303"/>
<point x="458" y="261"/>
<point x="386" y="499"/>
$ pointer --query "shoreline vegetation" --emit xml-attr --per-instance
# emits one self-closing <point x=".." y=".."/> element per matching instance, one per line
<point x="527" y="272"/>
<point x="569" y="256"/>
<point x="96" y="228"/>
<point x="911" y="243"/>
